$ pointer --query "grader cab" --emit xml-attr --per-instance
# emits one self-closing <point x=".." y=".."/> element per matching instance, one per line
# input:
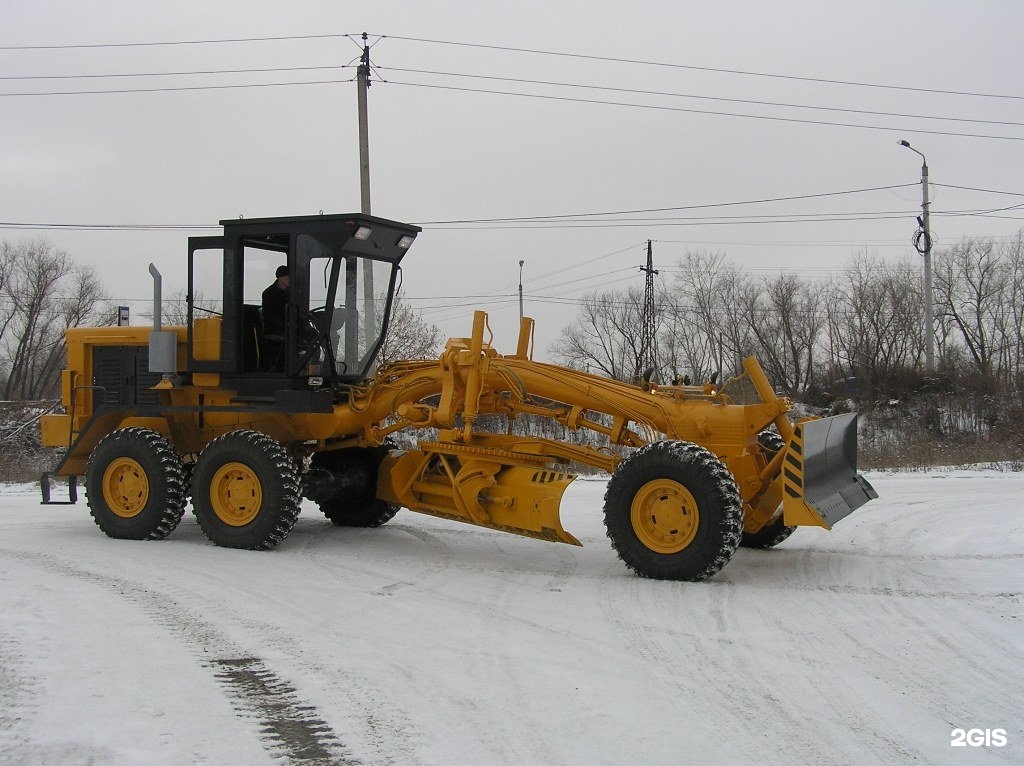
<point x="246" y="422"/>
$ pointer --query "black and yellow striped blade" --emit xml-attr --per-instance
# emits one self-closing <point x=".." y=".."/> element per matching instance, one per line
<point x="820" y="476"/>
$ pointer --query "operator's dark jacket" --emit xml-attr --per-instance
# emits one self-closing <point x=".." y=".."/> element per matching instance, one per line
<point x="275" y="303"/>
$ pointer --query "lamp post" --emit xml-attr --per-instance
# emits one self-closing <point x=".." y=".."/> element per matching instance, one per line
<point x="923" y="243"/>
<point x="521" y="291"/>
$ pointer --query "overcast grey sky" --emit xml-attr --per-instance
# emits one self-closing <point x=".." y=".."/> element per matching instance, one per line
<point x="192" y="157"/>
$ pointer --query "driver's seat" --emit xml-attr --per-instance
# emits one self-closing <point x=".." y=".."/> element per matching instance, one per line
<point x="270" y="354"/>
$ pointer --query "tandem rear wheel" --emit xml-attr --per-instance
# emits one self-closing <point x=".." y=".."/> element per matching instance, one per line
<point x="134" y="485"/>
<point x="673" y="512"/>
<point x="350" y="499"/>
<point x="245" y="491"/>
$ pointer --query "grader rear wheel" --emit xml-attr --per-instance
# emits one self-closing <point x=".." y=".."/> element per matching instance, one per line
<point x="134" y="485"/>
<point x="673" y="512"/>
<point x="245" y="491"/>
<point x="357" y="505"/>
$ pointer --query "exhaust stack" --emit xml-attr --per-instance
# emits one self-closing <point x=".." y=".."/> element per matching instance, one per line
<point x="163" y="344"/>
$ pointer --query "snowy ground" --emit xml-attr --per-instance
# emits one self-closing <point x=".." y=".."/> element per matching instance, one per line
<point x="428" y="642"/>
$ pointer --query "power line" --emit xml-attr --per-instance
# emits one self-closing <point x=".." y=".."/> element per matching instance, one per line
<point x="973" y="188"/>
<point x="587" y="261"/>
<point x="106" y="226"/>
<point x="169" y="42"/>
<point x="522" y="226"/>
<point x="536" y="278"/>
<point x="533" y="51"/>
<point x="158" y="227"/>
<point x="513" y="49"/>
<point x="867" y="215"/>
<point x="753" y="102"/>
<point x="541" y="223"/>
<point x="631" y="269"/>
<point x="607" y="218"/>
<point x="626" y="223"/>
<point x="172" y="74"/>
<point x="267" y="70"/>
<point x="174" y="88"/>
<point x="687" y="110"/>
<point x="748" y="73"/>
<point x="787" y="243"/>
<point x="515" y="80"/>
<point x="502" y="299"/>
<point x="703" y="206"/>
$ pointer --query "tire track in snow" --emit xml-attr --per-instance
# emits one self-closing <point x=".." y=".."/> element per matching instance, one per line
<point x="497" y="575"/>
<point x="16" y="705"/>
<point x="437" y="557"/>
<point x="728" y="661"/>
<point x="694" y="655"/>
<point x="823" y="667"/>
<point x="387" y="730"/>
<point x="879" y="664"/>
<point x="936" y="629"/>
<point x="289" y="728"/>
<point x="326" y="544"/>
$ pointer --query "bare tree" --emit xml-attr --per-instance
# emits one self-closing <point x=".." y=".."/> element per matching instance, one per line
<point x="174" y="309"/>
<point x="43" y="294"/>
<point x="605" y="336"/>
<point x="684" y="349"/>
<point x="1012" y="253"/>
<point x="971" y="281"/>
<point x="874" y="318"/>
<point x="709" y="295"/>
<point x="409" y="335"/>
<point x="785" y="316"/>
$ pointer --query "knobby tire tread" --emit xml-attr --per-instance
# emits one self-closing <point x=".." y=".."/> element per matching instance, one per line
<point x="166" y="503"/>
<point x="361" y="509"/>
<point x="714" y="489"/>
<point x="280" y="484"/>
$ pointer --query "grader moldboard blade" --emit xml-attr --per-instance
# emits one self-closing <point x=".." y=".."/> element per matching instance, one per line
<point x="820" y="480"/>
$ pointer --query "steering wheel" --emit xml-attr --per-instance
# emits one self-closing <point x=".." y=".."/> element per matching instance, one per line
<point x="317" y="319"/>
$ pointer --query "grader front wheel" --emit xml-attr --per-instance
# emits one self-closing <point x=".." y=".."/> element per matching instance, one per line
<point x="134" y="485"/>
<point x="673" y="512"/>
<point x="245" y="491"/>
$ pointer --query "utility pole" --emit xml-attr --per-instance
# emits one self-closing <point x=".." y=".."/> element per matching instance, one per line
<point x="362" y="83"/>
<point x="648" y="352"/>
<point x="521" y="291"/>
<point x="923" y="244"/>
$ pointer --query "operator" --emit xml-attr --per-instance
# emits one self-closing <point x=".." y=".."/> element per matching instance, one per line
<point x="275" y="311"/>
<point x="275" y="303"/>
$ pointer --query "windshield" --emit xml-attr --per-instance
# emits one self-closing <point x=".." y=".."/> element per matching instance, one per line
<point x="349" y="301"/>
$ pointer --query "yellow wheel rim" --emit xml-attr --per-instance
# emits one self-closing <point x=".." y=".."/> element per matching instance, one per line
<point x="236" y="494"/>
<point x="125" y="487"/>
<point x="665" y="516"/>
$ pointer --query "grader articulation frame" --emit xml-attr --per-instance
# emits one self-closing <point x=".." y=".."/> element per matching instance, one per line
<point x="247" y="425"/>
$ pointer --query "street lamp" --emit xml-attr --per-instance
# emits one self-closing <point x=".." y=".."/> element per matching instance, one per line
<point x="521" y="291"/>
<point x="923" y="243"/>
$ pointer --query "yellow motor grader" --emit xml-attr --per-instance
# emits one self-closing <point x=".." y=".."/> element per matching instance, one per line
<point x="246" y="422"/>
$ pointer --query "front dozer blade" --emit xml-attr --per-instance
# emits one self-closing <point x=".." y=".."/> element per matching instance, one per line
<point x="820" y="480"/>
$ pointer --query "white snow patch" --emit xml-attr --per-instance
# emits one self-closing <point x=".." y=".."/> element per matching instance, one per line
<point x="428" y="642"/>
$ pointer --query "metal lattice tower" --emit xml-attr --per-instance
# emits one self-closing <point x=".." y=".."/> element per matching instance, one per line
<point x="648" y="343"/>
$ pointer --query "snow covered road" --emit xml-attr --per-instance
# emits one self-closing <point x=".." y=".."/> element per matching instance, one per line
<point x="428" y="642"/>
